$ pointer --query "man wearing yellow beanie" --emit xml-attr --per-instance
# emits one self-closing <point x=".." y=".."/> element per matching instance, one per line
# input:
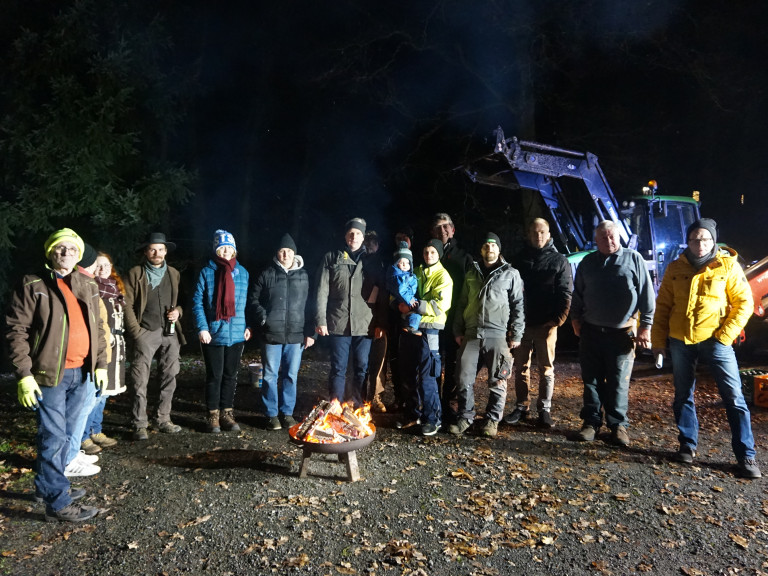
<point x="56" y="341"/>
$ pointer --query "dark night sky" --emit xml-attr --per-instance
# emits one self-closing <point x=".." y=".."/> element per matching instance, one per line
<point x="306" y="113"/>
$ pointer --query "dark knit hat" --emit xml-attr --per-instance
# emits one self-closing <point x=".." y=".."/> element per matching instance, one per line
<point x="403" y="252"/>
<point x="491" y="238"/>
<point x="357" y="223"/>
<point x="287" y="242"/>
<point x="89" y="256"/>
<point x="705" y="223"/>
<point x="437" y="245"/>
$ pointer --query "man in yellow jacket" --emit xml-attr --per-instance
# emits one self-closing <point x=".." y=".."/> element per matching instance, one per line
<point x="703" y="304"/>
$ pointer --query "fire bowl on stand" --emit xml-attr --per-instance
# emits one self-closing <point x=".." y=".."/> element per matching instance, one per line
<point x="346" y="451"/>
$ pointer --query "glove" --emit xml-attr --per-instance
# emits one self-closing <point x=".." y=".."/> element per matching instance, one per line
<point x="29" y="392"/>
<point x="102" y="377"/>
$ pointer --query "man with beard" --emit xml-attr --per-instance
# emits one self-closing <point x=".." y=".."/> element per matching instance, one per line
<point x="489" y="321"/>
<point x="152" y="315"/>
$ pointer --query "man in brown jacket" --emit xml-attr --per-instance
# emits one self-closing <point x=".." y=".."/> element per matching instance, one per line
<point x="56" y="340"/>
<point x="152" y="318"/>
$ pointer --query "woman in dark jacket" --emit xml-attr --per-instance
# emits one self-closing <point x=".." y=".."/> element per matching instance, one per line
<point x="277" y="304"/>
<point x="219" y="309"/>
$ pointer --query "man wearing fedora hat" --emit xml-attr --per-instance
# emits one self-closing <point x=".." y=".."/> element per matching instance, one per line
<point x="152" y="317"/>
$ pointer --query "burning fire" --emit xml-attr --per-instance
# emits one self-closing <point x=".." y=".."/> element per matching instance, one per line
<point x="331" y="422"/>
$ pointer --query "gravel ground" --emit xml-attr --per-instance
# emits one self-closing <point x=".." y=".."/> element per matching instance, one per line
<point x="529" y="501"/>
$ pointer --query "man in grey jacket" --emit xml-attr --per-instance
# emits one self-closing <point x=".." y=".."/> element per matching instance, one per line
<point x="346" y="298"/>
<point x="489" y="321"/>
<point x="611" y="287"/>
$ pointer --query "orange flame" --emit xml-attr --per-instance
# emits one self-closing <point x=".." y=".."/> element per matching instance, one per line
<point x="337" y="426"/>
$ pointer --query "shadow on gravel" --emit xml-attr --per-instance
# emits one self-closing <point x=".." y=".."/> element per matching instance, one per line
<point x="229" y="459"/>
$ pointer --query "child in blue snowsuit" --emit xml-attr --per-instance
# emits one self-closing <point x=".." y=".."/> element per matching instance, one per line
<point x="403" y="286"/>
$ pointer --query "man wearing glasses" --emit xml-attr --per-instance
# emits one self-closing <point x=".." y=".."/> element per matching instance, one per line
<point x="56" y="339"/>
<point x="703" y="304"/>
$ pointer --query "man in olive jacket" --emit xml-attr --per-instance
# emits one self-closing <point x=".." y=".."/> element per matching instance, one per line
<point x="346" y="301"/>
<point x="152" y="314"/>
<point x="56" y="339"/>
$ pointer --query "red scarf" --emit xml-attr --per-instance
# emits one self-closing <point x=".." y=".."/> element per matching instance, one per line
<point x="224" y="288"/>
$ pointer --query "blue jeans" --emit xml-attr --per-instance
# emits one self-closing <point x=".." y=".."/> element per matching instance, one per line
<point x="57" y="415"/>
<point x="95" y="418"/>
<point x="89" y="401"/>
<point x="725" y="370"/>
<point x="342" y="347"/>
<point x="281" y="370"/>
<point x="419" y="364"/>
<point x="606" y="357"/>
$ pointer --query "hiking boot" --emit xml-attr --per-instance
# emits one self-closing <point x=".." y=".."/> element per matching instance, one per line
<point x="619" y="436"/>
<point x="287" y="420"/>
<point x="228" y="421"/>
<point x="405" y="424"/>
<point x="80" y="468"/>
<point x="490" y="428"/>
<point x="428" y="429"/>
<point x="587" y="433"/>
<point x="685" y="455"/>
<point x="460" y="427"/>
<point x="71" y="513"/>
<point x="103" y="440"/>
<point x="516" y="415"/>
<point x="140" y="434"/>
<point x="747" y="468"/>
<point x="212" y="422"/>
<point x="168" y="427"/>
<point x="544" y="420"/>
<point x="377" y="406"/>
<point x="74" y="494"/>
<point x="274" y="423"/>
<point x="90" y="447"/>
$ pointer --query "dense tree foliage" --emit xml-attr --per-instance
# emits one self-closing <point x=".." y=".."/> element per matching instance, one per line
<point x="88" y="107"/>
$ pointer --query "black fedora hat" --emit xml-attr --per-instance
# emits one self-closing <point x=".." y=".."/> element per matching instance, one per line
<point x="157" y="238"/>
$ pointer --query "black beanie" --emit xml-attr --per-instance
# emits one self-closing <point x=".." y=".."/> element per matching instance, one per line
<point x="403" y="252"/>
<point x="89" y="256"/>
<point x="437" y="245"/>
<point x="357" y="223"/>
<point x="705" y="223"/>
<point x="491" y="238"/>
<point x="287" y="242"/>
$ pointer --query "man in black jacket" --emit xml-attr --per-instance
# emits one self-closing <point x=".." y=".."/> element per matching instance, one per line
<point x="456" y="261"/>
<point x="548" y="287"/>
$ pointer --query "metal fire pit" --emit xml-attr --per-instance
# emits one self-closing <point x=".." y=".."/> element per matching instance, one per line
<point x="346" y="451"/>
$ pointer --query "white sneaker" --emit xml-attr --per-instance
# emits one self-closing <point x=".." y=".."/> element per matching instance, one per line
<point x="79" y="468"/>
<point x="86" y="458"/>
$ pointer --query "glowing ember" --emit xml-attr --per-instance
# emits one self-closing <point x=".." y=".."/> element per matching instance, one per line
<point x="333" y="422"/>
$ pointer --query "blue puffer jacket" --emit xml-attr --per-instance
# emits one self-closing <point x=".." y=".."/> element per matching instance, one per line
<point x="223" y="332"/>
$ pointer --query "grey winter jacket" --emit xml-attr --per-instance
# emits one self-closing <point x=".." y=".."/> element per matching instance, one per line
<point x="344" y="289"/>
<point x="491" y="306"/>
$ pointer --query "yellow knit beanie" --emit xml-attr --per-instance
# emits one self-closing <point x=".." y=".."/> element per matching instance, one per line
<point x="64" y="235"/>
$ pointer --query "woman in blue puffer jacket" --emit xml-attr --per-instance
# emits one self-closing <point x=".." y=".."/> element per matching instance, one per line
<point x="219" y="309"/>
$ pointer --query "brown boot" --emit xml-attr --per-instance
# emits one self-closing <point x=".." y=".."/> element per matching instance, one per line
<point x="212" y="422"/>
<point x="228" y="420"/>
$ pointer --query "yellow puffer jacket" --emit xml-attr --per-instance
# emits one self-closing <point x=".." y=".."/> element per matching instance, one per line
<point x="695" y="305"/>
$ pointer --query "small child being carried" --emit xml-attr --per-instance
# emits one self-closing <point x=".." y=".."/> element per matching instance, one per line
<point x="403" y="286"/>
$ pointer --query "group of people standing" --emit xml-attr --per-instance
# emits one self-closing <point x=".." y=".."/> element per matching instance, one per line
<point x="439" y="323"/>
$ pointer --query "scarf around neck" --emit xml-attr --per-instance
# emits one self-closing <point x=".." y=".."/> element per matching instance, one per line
<point x="155" y="275"/>
<point x="699" y="263"/>
<point x="224" y="288"/>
